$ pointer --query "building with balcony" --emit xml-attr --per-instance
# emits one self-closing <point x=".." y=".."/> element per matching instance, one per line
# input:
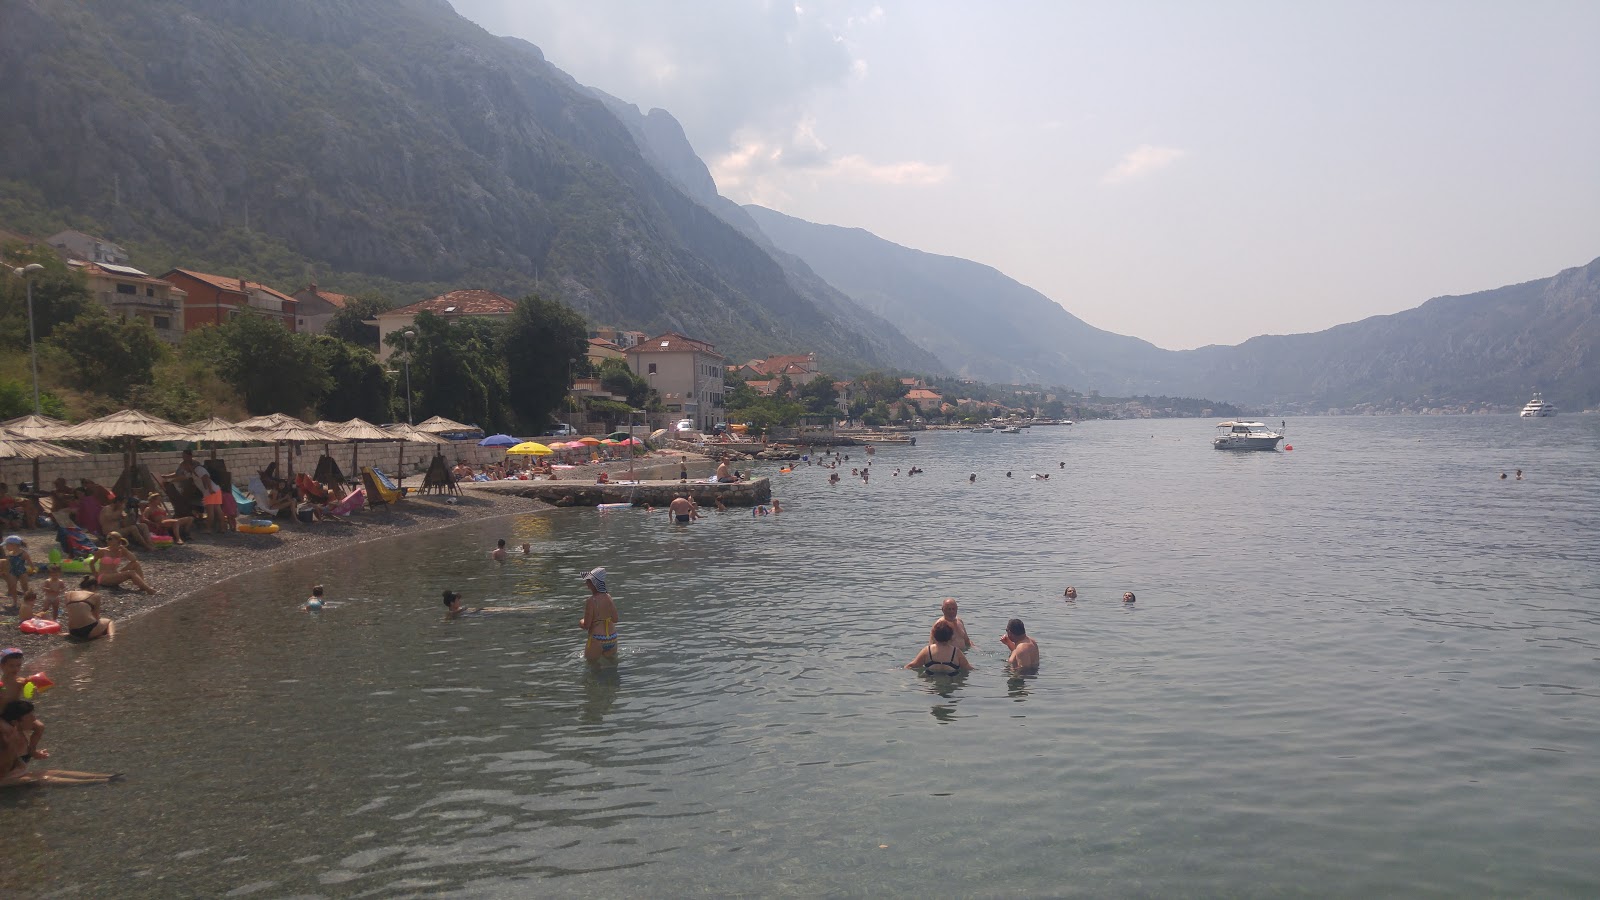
<point x="130" y="294"/>
<point x="687" y="373"/>
<point x="454" y="305"/>
<point x="214" y="299"/>
<point x="87" y="247"/>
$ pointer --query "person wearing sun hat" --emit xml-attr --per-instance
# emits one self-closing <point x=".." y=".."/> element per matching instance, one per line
<point x="600" y="619"/>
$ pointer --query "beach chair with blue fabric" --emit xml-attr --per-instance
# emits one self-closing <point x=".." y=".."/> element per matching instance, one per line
<point x="381" y="489"/>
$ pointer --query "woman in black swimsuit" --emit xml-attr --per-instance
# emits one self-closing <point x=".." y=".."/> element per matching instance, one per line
<point x="941" y="657"/>
<point x="83" y="613"/>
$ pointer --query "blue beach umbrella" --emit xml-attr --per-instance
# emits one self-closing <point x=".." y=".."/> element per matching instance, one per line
<point x="499" y="440"/>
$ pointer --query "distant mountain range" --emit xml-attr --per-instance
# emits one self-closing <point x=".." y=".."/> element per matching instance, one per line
<point x="392" y="142"/>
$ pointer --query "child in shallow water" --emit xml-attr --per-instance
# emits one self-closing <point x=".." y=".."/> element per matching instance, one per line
<point x="314" y="602"/>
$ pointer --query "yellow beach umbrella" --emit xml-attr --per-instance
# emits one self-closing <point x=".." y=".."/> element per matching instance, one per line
<point x="529" y="448"/>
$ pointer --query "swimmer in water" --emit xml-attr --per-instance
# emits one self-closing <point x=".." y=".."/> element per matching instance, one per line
<point x="314" y="602"/>
<point x="499" y="554"/>
<point x="1070" y="594"/>
<point x="942" y="656"/>
<point x="1024" y="649"/>
<point x="453" y="608"/>
<point x="527" y="549"/>
<point x="776" y="507"/>
<point x="682" y="510"/>
<point x="948" y="615"/>
<point x="1519" y="474"/>
<point x="973" y="478"/>
<point x="1128" y="597"/>
<point x="600" y="619"/>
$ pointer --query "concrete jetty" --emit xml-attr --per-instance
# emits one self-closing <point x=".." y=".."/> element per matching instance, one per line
<point x="644" y="493"/>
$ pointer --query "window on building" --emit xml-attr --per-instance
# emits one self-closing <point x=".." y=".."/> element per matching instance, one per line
<point x="127" y="289"/>
<point x="161" y="322"/>
<point x="149" y="291"/>
<point x="652" y="368"/>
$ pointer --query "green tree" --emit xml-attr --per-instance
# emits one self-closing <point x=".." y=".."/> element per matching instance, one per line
<point x="617" y="378"/>
<point x="457" y="369"/>
<point x="349" y="323"/>
<point x="109" y="356"/>
<point x="59" y="295"/>
<point x="545" y="343"/>
<point x="820" y="396"/>
<point x="16" y="399"/>
<point x="272" y="368"/>
<point x="363" y="388"/>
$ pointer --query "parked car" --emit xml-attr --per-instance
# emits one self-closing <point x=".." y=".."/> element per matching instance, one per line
<point x="684" y="425"/>
<point x="562" y="429"/>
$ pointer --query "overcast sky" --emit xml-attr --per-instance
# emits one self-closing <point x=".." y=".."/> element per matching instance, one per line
<point x="1189" y="173"/>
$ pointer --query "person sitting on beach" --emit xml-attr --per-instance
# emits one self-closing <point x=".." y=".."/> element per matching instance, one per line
<point x="12" y="686"/>
<point x="14" y="750"/>
<point x="84" y="612"/>
<point x="1024" y="649"/>
<point x="942" y="656"/>
<point x="86" y="507"/>
<point x="279" y="503"/>
<point x="10" y="509"/>
<point x="156" y="521"/>
<point x="683" y="510"/>
<point x="723" y="472"/>
<point x="16" y="564"/>
<point x="600" y="618"/>
<point x="116" y="565"/>
<point x="948" y="615"/>
<point x="114" y="517"/>
<point x="602" y="478"/>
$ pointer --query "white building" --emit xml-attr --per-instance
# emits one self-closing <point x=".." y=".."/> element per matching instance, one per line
<point x="686" y="373"/>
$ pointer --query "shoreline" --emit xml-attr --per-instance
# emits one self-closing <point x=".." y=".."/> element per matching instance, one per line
<point x="183" y="571"/>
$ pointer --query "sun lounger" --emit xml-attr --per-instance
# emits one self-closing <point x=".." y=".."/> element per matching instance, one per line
<point x="380" y="489"/>
<point x="245" y="502"/>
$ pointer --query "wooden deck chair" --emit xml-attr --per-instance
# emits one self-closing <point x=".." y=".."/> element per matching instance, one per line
<point x="380" y="490"/>
<point x="328" y="472"/>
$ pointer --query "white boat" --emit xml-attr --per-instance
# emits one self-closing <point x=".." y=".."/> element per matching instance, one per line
<point x="1537" y="408"/>
<point x="982" y="429"/>
<point x="1245" y="436"/>
<point x="1010" y="429"/>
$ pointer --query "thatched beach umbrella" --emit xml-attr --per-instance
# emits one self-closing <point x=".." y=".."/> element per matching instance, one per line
<point x="441" y="425"/>
<point x="37" y="428"/>
<point x="403" y="433"/>
<point x="293" y="431"/>
<point x="130" y="426"/>
<point x="356" y="431"/>
<point x="216" y="431"/>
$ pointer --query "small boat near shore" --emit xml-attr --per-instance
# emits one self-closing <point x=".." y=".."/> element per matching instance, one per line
<point x="1245" y="436"/>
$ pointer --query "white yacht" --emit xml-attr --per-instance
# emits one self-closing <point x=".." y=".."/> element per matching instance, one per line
<point x="1537" y="408"/>
<point x="1245" y="436"/>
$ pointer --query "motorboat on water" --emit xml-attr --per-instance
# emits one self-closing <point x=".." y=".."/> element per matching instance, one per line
<point x="1538" y="408"/>
<point x="982" y="429"/>
<point x="1245" y="436"/>
<point x="1010" y="429"/>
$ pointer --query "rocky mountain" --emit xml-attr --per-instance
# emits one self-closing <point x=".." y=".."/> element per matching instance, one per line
<point x="388" y="138"/>
<point x="983" y="324"/>
<point x="1493" y="346"/>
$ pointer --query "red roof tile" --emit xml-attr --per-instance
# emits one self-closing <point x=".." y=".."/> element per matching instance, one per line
<point x="460" y="303"/>
<point x="225" y="283"/>
<point x="673" y="342"/>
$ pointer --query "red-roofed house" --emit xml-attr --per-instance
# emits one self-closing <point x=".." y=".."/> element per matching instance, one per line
<point x="214" y="299"/>
<point x="132" y="294"/>
<point x="800" y="367"/>
<point x="317" y="306"/>
<point x="926" y="400"/>
<point x="602" y="350"/>
<point x="686" y="373"/>
<point x="454" y="305"/>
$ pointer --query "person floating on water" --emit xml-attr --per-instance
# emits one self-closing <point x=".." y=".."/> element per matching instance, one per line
<point x="1024" y="649"/>
<point x="499" y="553"/>
<point x="453" y="608"/>
<point x="600" y="619"/>
<point x="1519" y="474"/>
<point x="314" y="602"/>
<point x="1128" y="597"/>
<point x="1070" y="594"/>
<point x="948" y="615"/>
<point x="942" y="656"/>
<point x="527" y="549"/>
<point x="973" y="478"/>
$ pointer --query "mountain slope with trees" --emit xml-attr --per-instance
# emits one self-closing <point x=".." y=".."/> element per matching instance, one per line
<point x="389" y="139"/>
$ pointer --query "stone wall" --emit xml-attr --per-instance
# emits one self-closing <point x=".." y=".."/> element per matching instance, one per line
<point x="106" y="468"/>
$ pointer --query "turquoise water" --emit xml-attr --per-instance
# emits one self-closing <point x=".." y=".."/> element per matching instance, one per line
<point x="1363" y="667"/>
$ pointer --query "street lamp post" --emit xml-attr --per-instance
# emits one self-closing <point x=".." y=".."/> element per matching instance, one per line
<point x="33" y="351"/>
<point x="410" y="336"/>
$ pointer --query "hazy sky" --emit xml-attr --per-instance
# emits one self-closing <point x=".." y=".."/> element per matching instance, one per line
<point x="1187" y="172"/>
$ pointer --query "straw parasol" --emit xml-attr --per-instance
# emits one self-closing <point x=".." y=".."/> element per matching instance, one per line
<point x="270" y="420"/>
<point x="403" y="433"/>
<point x="440" y="425"/>
<point x="290" y="430"/>
<point x="357" y="431"/>
<point x="221" y="431"/>
<point x="35" y="428"/>
<point x="131" y="426"/>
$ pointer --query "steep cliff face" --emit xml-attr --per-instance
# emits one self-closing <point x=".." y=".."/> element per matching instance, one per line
<point x="388" y="137"/>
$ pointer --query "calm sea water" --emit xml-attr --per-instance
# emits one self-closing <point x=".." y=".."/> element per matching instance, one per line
<point x="1364" y="667"/>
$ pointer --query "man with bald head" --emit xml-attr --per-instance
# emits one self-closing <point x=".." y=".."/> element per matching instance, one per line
<point x="949" y="617"/>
